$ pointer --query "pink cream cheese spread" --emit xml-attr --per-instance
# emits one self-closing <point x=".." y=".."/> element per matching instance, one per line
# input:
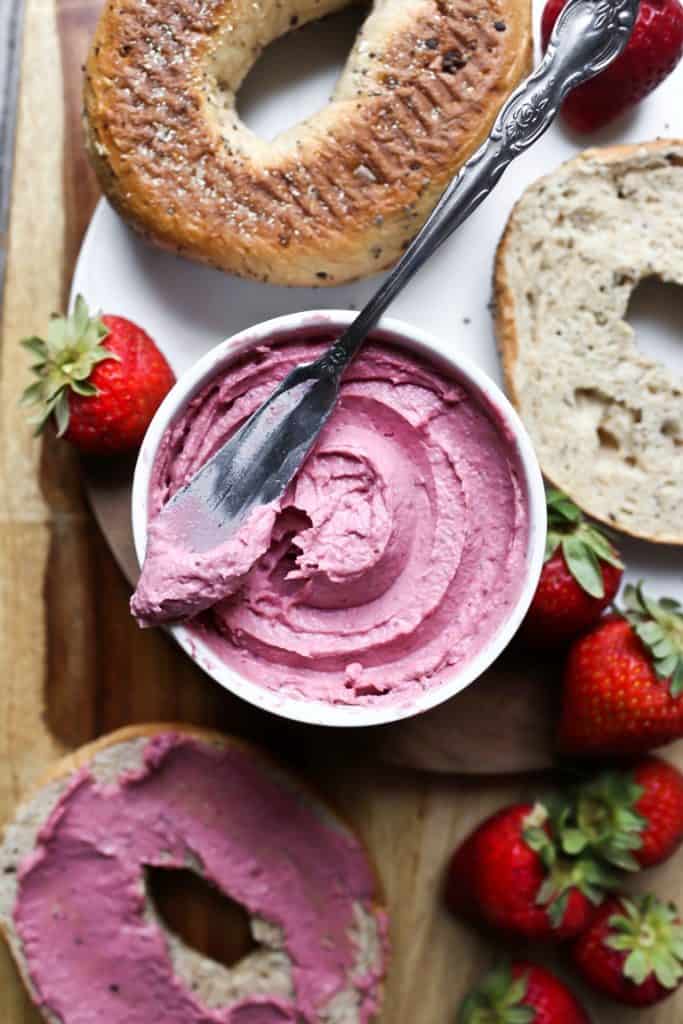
<point x="392" y="560"/>
<point x="95" y="952"/>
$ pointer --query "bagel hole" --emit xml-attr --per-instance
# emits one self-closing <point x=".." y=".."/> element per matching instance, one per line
<point x="655" y="312"/>
<point x="202" y="916"/>
<point x="296" y="74"/>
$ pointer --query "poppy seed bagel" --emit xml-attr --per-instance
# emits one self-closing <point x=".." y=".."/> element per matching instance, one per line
<point x="334" y="198"/>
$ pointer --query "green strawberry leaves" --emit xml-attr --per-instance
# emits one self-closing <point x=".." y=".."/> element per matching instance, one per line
<point x="583" y="564"/>
<point x="561" y="509"/>
<point x="564" y="873"/>
<point x="601" y="819"/>
<point x="498" y="999"/>
<point x="650" y="933"/>
<point x="64" y="362"/>
<point x="557" y="905"/>
<point x="583" y="546"/>
<point x="584" y="874"/>
<point x="659" y="625"/>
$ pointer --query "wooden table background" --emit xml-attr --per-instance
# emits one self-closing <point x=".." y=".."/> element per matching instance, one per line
<point x="72" y="663"/>
<point x="10" y="36"/>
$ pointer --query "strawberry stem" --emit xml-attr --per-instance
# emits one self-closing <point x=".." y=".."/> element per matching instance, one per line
<point x="602" y="820"/>
<point x="563" y="873"/>
<point x="650" y="934"/>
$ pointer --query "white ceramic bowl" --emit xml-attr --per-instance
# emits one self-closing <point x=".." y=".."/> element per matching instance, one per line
<point x="434" y="350"/>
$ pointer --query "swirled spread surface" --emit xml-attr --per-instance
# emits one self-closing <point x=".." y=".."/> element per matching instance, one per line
<point x="393" y="558"/>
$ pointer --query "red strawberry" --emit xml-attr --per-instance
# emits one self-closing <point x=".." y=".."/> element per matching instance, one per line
<point x="507" y="874"/>
<point x="661" y="808"/>
<point x="632" y="819"/>
<point x="521" y="993"/>
<point x="632" y="950"/>
<point x="581" y="576"/>
<point x="624" y="680"/>
<point x="460" y="877"/>
<point x="651" y="54"/>
<point x="100" y="378"/>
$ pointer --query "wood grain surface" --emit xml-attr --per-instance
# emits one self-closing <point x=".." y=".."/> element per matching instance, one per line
<point x="74" y="666"/>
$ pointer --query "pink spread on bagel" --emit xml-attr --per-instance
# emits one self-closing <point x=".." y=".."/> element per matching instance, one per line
<point x="391" y="561"/>
<point x="96" y="953"/>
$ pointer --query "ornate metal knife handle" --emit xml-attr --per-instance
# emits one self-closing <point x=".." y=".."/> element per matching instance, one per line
<point x="587" y="36"/>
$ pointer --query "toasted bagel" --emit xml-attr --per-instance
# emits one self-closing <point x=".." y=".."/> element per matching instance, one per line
<point x="606" y="420"/>
<point x="332" y="199"/>
<point x="269" y="983"/>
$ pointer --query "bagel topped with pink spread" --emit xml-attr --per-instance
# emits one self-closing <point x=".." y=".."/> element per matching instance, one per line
<point x="334" y="198"/>
<point x="91" y="947"/>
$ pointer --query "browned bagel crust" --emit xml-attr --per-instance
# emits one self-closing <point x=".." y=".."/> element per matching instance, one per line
<point x="332" y="200"/>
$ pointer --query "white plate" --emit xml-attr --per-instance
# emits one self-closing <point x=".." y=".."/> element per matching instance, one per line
<point x="187" y="308"/>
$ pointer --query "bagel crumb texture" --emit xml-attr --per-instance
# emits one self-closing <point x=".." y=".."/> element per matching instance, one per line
<point x="419" y="93"/>
<point x="606" y="420"/>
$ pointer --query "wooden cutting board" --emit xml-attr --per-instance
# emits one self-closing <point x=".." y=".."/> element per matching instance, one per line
<point x="74" y="666"/>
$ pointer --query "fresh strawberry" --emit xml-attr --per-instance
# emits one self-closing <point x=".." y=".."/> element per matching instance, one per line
<point x="580" y="577"/>
<point x="632" y="950"/>
<point x="651" y="54"/>
<point x="623" y="682"/>
<point x="660" y="805"/>
<point x="460" y="877"/>
<point x="521" y="993"/>
<point x="100" y="379"/>
<point x="632" y="819"/>
<point x="508" y="875"/>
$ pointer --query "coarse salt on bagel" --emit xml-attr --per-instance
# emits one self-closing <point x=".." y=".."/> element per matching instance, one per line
<point x="334" y="198"/>
<point x="87" y="939"/>
<point x="606" y="420"/>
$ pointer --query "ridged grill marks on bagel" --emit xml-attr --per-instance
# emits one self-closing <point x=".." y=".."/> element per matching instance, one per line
<point x="420" y="89"/>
